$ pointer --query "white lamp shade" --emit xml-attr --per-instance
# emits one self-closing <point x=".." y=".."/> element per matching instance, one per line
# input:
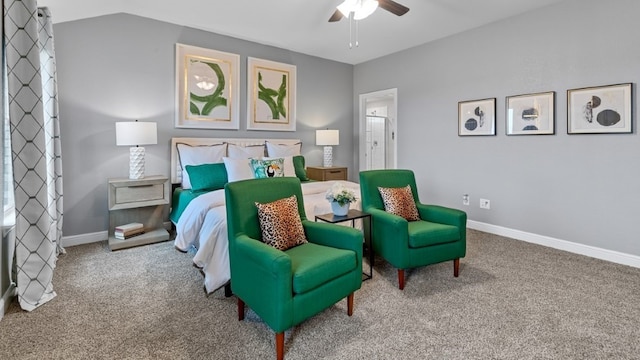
<point x="132" y="133"/>
<point x="327" y="137"/>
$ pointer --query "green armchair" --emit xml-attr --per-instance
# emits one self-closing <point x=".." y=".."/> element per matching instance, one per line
<point x="285" y="288"/>
<point x="439" y="235"/>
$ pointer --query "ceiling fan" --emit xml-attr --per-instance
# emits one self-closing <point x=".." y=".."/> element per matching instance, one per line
<point x="360" y="9"/>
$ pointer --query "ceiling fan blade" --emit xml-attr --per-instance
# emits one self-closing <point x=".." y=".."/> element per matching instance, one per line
<point x="337" y="16"/>
<point x="393" y="7"/>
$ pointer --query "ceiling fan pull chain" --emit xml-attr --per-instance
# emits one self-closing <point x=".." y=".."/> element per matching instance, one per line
<point x="351" y="30"/>
<point x="357" y="44"/>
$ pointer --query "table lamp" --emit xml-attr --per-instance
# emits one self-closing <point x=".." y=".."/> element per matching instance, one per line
<point x="134" y="134"/>
<point x="328" y="138"/>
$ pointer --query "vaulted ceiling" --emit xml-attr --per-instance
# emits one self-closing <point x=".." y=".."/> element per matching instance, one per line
<point x="302" y="26"/>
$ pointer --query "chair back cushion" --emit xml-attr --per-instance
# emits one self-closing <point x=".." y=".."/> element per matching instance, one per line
<point x="280" y="223"/>
<point x="399" y="201"/>
<point x="370" y="180"/>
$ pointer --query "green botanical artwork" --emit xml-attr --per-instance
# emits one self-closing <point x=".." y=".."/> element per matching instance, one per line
<point x="204" y="104"/>
<point x="275" y="99"/>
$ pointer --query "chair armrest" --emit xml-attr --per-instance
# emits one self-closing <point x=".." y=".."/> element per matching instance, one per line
<point x="332" y="235"/>
<point x="386" y="219"/>
<point x="262" y="277"/>
<point x="267" y="257"/>
<point x="443" y="215"/>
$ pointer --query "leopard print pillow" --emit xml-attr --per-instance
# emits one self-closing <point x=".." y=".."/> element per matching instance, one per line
<point x="280" y="223"/>
<point x="399" y="201"/>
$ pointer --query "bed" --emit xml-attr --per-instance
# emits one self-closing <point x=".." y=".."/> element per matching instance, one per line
<point x="199" y="213"/>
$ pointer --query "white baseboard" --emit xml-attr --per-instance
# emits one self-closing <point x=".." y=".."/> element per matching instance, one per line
<point x="7" y="297"/>
<point x="592" y="251"/>
<point x="82" y="239"/>
<point x="587" y="250"/>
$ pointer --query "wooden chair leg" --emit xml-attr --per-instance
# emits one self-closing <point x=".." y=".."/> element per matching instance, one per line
<point x="401" y="279"/>
<point x="456" y="267"/>
<point x="280" y="346"/>
<point x="240" y="309"/>
<point x="350" y="304"/>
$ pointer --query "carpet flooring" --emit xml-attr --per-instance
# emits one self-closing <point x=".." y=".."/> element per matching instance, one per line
<point x="513" y="300"/>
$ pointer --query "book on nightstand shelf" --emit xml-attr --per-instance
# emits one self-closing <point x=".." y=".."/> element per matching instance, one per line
<point x="128" y="230"/>
<point x="130" y="235"/>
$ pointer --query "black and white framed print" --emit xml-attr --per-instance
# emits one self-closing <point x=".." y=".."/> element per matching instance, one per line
<point x="531" y="114"/>
<point x="477" y="117"/>
<point x="599" y="110"/>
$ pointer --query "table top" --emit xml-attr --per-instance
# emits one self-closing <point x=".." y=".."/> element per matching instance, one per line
<point x="351" y="215"/>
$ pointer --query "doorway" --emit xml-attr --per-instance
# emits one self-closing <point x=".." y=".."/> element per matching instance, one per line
<point x="378" y="130"/>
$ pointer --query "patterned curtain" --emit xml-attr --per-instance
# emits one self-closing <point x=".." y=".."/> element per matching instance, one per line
<point x="35" y="146"/>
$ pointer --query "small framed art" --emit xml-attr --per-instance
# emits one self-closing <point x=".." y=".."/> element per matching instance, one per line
<point x="207" y="88"/>
<point x="599" y="110"/>
<point x="477" y="117"/>
<point x="531" y="114"/>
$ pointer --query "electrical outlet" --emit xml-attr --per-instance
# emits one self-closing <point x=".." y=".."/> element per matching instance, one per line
<point x="485" y="204"/>
<point x="465" y="199"/>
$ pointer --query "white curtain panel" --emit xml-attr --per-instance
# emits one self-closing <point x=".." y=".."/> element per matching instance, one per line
<point x="35" y="146"/>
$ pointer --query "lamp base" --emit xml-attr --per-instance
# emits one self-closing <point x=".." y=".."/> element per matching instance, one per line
<point x="136" y="162"/>
<point x="328" y="156"/>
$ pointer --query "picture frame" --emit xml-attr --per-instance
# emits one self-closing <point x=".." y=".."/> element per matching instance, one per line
<point x="477" y="117"/>
<point x="271" y="95"/>
<point x="207" y="88"/>
<point x="600" y="109"/>
<point x="531" y="114"/>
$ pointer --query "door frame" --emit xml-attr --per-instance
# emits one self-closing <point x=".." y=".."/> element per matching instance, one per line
<point x="362" y="123"/>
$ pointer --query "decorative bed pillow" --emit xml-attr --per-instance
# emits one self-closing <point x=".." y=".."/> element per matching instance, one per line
<point x="399" y="201"/>
<point x="288" y="169"/>
<point x="280" y="223"/>
<point x="207" y="176"/>
<point x="280" y="150"/>
<point x="298" y="165"/>
<point x="198" y="155"/>
<point x="238" y="169"/>
<point x="267" y="168"/>
<point x="245" y="152"/>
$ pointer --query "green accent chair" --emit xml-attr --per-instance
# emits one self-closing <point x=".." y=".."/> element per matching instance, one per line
<point x="287" y="287"/>
<point x="439" y="235"/>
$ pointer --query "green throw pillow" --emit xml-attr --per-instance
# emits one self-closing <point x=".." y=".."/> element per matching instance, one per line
<point x="267" y="168"/>
<point x="207" y="176"/>
<point x="298" y="164"/>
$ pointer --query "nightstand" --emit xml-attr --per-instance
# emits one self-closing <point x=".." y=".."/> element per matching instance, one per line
<point x="326" y="173"/>
<point x="144" y="201"/>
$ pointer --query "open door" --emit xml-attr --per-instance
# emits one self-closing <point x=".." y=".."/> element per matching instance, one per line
<point x="378" y="130"/>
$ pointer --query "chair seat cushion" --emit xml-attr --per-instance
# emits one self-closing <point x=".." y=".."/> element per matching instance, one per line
<point x="424" y="233"/>
<point x="313" y="265"/>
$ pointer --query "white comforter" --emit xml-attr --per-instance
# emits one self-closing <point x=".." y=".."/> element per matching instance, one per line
<point x="203" y="226"/>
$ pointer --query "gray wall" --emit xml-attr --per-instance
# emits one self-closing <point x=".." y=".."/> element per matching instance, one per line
<point x="121" y="67"/>
<point x="579" y="188"/>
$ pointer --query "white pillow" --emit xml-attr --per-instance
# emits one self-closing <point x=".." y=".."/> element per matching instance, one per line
<point x="245" y="152"/>
<point x="238" y="169"/>
<point x="198" y="155"/>
<point x="281" y="150"/>
<point x="289" y="169"/>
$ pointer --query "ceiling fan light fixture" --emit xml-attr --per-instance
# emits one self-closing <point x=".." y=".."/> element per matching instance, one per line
<point x="360" y="8"/>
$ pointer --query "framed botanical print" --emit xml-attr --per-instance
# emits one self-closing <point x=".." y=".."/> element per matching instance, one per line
<point x="271" y="95"/>
<point x="207" y="88"/>
<point x="598" y="110"/>
<point x="531" y="114"/>
<point x="477" y="117"/>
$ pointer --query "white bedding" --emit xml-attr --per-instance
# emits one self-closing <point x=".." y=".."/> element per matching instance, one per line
<point x="203" y="226"/>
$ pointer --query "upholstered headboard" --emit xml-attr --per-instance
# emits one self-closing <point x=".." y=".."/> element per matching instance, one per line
<point x="176" y="170"/>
